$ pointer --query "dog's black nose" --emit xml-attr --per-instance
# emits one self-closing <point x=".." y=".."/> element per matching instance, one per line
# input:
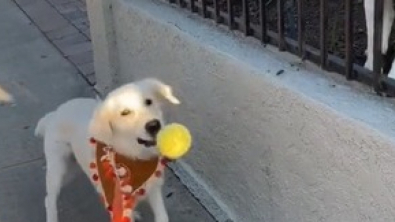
<point x="153" y="127"/>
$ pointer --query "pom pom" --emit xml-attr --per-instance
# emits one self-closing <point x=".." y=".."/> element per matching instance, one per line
<point x="121" y="171"/>
<point x="174" y="141"/>
<point x="127" y="189"/>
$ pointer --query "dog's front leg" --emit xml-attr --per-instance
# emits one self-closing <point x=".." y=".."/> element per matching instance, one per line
<point x="155" y="199"/>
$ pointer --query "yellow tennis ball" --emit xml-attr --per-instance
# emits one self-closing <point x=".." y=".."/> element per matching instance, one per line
<point x="174" y="141"/>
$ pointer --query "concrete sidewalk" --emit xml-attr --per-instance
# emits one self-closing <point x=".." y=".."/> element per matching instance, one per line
<point x="39" y="77"/>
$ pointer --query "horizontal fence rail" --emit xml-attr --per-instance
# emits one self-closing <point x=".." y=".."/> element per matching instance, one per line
<point x="224" y="12"/>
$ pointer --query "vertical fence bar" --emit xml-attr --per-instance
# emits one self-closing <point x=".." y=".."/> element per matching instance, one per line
<point x="192" y="5"/>
<point x="280" y="24"/>
<point x="377" y="41"/>
<point x="246" y="19"/>
<point x="300" y="28"/>
<point x="323" y="26"/>
<point x="216" y="11"/>
<point x="204" y="8"/>
<point x="349" y="29"/>
<point x="230" y="14"/>
<point x="262" y="18"/>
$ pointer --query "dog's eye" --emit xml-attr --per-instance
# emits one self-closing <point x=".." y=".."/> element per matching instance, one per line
<point x="125" y="112"/>
<point x="148" y="102"/>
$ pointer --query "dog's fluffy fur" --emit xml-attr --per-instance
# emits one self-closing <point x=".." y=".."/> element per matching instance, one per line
<point x="119" y="120"/>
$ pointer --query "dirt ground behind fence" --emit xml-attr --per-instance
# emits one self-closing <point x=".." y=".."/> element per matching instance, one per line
<point x="311" y="15"/>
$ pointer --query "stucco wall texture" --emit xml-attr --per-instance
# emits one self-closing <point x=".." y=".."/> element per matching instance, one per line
<point x="267" y="152"/>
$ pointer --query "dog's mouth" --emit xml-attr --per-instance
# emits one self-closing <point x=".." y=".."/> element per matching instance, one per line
<point x="146" y="143"/>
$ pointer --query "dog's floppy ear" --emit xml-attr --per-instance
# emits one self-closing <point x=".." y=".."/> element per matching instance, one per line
<point x="161" y="90"/>
<point x="100" y="126"/>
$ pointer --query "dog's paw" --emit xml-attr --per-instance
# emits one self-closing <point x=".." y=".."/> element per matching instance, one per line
<point x="137" y="216"/>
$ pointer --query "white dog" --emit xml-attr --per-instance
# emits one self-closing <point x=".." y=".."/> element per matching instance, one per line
<point x="388" y="19"/>
<point x="128" y="119"/>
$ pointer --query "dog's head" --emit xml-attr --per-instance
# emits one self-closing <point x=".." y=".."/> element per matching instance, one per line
<point x="130" y="117"/>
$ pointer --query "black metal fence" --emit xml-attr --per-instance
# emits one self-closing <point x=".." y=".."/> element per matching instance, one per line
<point x="236" y="15"/>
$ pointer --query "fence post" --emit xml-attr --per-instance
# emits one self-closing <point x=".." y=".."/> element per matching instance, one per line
<point x="323" y="30"/>
<point x="377" y="42"/>
<point x="349" y="29"/>
<point x="280" y="24"/>
<point x="301" y="29"/>
<point x="262" y="17"/>
<point x="105" y="53"/>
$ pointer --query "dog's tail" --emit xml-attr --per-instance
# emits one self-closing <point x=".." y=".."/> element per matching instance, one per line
<point x="42" y="124"/>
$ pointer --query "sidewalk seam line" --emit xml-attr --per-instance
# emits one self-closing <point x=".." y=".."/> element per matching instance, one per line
<point x="49" y="40"/>
<point x="68" y="20"/>
<point x="21" y="163"/>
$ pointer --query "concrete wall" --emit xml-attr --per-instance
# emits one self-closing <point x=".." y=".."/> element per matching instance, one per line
<point x="303" y="146"/>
